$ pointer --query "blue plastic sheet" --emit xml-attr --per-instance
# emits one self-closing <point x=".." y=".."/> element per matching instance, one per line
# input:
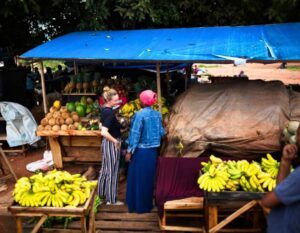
<point x="272" y="42"/>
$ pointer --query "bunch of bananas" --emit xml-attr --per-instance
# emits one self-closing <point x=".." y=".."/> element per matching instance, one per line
<point x="239" y="175"/>
<point x="270" y="165"/>
<point x="56" y="188"/>
<point x="216" y="176"/>
<point x="130" y="108"/>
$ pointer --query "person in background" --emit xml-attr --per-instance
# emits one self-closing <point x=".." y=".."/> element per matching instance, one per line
<point x="144" y="139"/>
<point x="284" y="200"/>
<point x="30" y="80"/>
<point x="48" y="74"/>
<point x="59" y="71"/>
<point x="111" y="143"/>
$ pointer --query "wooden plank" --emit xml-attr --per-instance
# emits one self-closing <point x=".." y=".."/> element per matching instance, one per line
<point x="119" y="225"/>
<point x="81" y="94"/>
<point x="233" y="216"/>
<point x="49" y="133"/>
<point x="83" y="141"/>
<point x="187" y="203"/>
<point x="107" y="231"/>
<point x="56" y="152"/>
<point x="95" y="159"/>
<point x="248" y="230"/>
<point x="82" y="151"/>
<point x="118" y="209"/>
<point x="185" y="215"/>
<point x="147" y="217"/>
<point x="53" y="230"/>
<point x="182" y="228"/>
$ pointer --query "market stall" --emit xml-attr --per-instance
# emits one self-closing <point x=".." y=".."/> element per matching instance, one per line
<point x="157" y="46"/>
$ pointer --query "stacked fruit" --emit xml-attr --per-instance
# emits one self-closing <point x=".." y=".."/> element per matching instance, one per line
<point x="59" y="118"/>
<point x="84" y="107"/>
<point x="130" y="108"/>
<point x="219" y="175"/>
<point x="56" y="188"/>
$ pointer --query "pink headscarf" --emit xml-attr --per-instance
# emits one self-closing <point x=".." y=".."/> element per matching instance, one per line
<point x="148" y="98"/>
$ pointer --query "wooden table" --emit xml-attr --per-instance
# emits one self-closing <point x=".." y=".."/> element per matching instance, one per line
<point x="240" y="201"/>
<point x="74" y="145"/>
<point x="44" y="212"/>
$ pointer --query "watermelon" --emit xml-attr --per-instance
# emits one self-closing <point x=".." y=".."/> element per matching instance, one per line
<point x="71" y="107"/>
<point x="80" y="110"/>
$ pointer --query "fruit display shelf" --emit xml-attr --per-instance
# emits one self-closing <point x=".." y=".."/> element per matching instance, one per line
<point x="44" y="212"/>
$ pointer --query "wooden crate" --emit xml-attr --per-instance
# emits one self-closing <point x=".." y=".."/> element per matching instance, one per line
<point x="44" y="212"/>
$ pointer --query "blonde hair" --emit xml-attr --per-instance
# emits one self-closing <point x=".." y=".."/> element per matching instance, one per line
<point x="108" y="93"/>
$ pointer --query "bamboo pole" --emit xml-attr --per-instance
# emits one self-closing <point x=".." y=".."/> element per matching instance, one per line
<point x="158" y="85"/>
<point x="43" y="87"/>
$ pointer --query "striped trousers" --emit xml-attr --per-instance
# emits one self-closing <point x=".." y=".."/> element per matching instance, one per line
<point x="109" y="173"/>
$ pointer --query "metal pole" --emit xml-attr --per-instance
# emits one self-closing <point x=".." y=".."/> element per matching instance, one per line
<point x="158" y="85"/>
<point x="43" y="87"/>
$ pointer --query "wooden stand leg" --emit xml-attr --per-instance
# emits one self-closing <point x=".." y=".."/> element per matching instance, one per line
<point x="56" y="152"/>
<point x="213" y="216"/>
<point x="83" y="224"/>
<point x="92" y="221"/>
<point x="11" y="170"/>
<point x="163" y="223"/>
<point x="19" y="225"/>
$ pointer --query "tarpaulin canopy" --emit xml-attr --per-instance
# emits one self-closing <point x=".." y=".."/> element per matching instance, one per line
<point x="274" y="42"/>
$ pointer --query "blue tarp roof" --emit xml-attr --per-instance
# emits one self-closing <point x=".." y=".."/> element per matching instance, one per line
<point x="274" y="42"/>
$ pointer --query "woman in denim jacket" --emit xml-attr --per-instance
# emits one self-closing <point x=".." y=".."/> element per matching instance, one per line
<point x="144" y="139"/>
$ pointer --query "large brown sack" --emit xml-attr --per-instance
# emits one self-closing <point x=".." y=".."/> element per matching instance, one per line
<point x="243" y="118"/>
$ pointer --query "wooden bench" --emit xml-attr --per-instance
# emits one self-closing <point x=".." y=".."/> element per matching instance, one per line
<point x="182" y="208"/>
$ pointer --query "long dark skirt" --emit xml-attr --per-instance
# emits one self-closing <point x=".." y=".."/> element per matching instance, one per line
<point x="140" y="180"/>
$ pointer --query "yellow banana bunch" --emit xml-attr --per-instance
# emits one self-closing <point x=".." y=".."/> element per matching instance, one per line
<point x="219" y="175"/>
<point x="56" y="188"/>
<point x="214" y="180"/>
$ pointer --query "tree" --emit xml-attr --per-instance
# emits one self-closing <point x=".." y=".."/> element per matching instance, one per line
<point x="27" y="23"/>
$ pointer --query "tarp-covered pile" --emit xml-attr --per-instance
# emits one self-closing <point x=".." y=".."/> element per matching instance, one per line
<point x="235" y="118"/>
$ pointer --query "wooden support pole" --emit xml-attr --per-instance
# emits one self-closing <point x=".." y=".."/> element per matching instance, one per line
<point x="168" y="80"/>
<point x="43" y="87"/>
<point x="158" y="85"/>
<point x="75" y="68"/>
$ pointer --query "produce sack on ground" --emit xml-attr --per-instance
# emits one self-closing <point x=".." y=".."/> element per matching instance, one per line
<point x="244" y="118"/>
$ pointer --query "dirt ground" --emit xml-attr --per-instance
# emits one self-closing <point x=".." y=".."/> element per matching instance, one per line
<point x="266" y="72"/>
